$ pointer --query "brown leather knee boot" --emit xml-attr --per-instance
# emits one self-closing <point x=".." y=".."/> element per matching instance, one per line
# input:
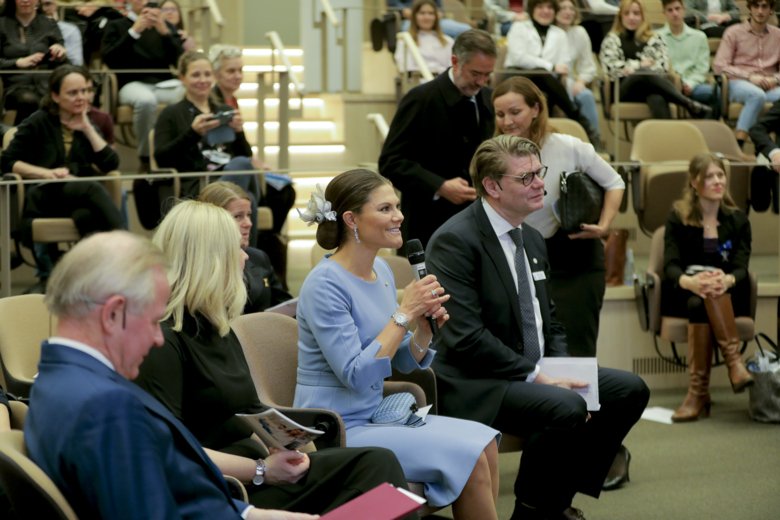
<point x="724" y="327"/>
<point x="697" y="401"/>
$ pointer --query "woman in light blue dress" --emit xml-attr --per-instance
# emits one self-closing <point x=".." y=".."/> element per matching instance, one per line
<point x="352" y="332"/>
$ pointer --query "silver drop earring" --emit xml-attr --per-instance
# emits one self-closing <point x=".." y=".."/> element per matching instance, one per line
<point x="357" y="238"/>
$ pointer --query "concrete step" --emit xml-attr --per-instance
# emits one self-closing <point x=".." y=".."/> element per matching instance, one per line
<point x="309" y="131"/>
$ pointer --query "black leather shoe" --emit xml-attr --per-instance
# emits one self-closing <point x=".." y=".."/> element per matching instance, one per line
<point x="699" y="110"/>
<point x="618" y="472"/>
<point x="572" y="513"/>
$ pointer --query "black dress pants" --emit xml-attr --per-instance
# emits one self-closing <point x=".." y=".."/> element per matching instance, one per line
<point x="655" y="90"/>
<point x="564" y="452"/>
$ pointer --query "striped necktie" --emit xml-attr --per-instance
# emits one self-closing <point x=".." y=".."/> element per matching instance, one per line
<point x="528" y="318"/>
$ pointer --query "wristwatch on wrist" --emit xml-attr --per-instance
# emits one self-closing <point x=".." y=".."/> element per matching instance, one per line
<point x="400" y="319"/>
<point x="259" y="477"/>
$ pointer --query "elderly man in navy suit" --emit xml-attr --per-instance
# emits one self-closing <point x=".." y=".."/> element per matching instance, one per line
<point x="111" y="448"/>
<point x="502" y="323"/>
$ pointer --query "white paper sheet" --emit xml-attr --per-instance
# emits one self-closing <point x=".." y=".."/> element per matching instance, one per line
<point x="584" y="369"/>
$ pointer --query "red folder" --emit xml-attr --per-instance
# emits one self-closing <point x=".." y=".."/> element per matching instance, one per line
<point x="384" y="502"/>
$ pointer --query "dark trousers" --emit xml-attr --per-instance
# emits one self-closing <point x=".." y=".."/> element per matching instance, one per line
<point x="577" y="284"/>
<point x="564" y="453"/>
<point x="654" y="89"/>
<point x="87" y="203"/>
<point x="676" y="301"/>
<point x="336" y="476"/>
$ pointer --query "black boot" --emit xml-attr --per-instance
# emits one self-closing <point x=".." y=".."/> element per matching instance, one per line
<point x="698" y="110"/>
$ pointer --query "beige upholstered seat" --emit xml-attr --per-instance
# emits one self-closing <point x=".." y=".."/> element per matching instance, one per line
<point x="663" y="149"/>
<point x="720" y="139"/>
<point x="270" y="344"/>
<point x="30" y="491"/>
<point x="24" y="324"/>
<point x="673" y="329"/>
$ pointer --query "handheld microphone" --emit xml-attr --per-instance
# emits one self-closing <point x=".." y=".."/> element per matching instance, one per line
<point x="416" y="255"/>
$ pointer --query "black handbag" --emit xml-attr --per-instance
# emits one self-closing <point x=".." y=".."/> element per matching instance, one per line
<point x="580" y="201"/>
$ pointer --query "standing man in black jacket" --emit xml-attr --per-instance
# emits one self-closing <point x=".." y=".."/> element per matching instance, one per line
<point x="143" y="40"/>
<point x="434" y="133"/>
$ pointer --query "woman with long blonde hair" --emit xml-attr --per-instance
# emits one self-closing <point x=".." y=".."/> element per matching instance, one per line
<point x="201" y="375"/>
<point x="435" y="46"/>
<point x="633" y="54"/>
<point x="706" y="254"/>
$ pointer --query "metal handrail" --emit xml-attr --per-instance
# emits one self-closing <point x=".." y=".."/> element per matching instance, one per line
<point x="216" y="13"/>
<point x="410" y="46"/>
<point x="380" y="123"/>
<point x="330" y="14"/>
<point x="278" y="46"/>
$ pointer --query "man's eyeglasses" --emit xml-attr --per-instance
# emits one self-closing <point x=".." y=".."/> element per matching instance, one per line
<point x="528" y="177"/>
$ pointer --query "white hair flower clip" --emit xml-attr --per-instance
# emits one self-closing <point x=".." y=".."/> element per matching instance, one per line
<point x="318" y="209"/>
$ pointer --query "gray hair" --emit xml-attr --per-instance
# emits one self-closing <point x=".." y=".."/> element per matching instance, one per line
<point x="220" y="51"/>
<point x="100" y="266"/>
<point x="472" y="42"/>
<point x="490" y="159"/>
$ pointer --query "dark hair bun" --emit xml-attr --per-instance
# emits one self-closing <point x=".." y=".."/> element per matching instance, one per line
<point x="328" y="235"/>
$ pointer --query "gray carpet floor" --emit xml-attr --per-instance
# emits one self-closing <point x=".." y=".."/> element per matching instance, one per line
<point x="724" y="467"/>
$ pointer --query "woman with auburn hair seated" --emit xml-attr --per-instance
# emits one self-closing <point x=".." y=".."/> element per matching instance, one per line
<point x="637" y="56"/>
<point x="706" y="254"/>
<point x="262" y="286"/>
<point x="58" y="142"/>
<point x="201" y="375"/>
<point x="351" y="331"/>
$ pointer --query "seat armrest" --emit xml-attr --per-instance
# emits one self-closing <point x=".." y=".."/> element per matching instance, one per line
<point x="653" y="281"/>
<point x="236" y="488"/>
<point x="321" y="419"/>
<point x="425" y="379"/>
<point x="397" y="387"/>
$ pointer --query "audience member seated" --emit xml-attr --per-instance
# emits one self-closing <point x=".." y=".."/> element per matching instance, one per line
<point x="171" y="11"/>
<point x="351" y="331"/>
<point x="71" y="34"/>
<point x="201" y="376"/>
<point x="93" y="16"/>
<point x="637" y="56"/>
<point x="263" y="288"/>
<point x="57" y="142"/>
<point x="506" y="12"/>
<point x="143" y="40"/>
<point x="279" y="193"/>
<point x="198" y="135"/>
<point x="712" y="17"/>
<point x="706" y="255"/>
<point x="449" y="26"/>
<point x="28" y="41"/>
<point x="102" y="120"/>
<point x="689" y="53"/>
<point x="759" y="134"/>
<point x="435" y="47"/>
<point x="111" y="449"/>
<point x="582" y="66"/>
<point x="503" y="324"/>
<point x="542" y="48"/>
<point x="748" y="55"/>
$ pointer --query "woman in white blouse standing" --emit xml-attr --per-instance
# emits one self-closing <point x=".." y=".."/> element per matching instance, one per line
<point x="582" y="67"/>
<point x="435" y="46"/>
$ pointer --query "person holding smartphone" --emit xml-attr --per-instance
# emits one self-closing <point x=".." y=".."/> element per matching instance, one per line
<point x="706" y="253"/>
<point x="29" y="40"/>
<point x="197" y="134"/>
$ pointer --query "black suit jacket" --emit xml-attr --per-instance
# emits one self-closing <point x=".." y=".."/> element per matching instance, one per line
<point x="432" y="138"/>
<point x="480" y="350"/>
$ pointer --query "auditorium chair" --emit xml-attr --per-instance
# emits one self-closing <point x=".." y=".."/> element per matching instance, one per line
<point x="672" y="329"/>
<point x="24" y="323"/>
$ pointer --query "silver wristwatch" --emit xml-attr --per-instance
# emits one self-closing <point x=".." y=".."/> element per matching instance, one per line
<point x="259" y="477"/>
<point x="400" y="319"/>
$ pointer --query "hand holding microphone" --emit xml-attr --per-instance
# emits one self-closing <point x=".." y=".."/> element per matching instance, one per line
<point x="416" y="256"/>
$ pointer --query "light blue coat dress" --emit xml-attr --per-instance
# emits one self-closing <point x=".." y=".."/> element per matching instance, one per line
<point x="339" y="318"/>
